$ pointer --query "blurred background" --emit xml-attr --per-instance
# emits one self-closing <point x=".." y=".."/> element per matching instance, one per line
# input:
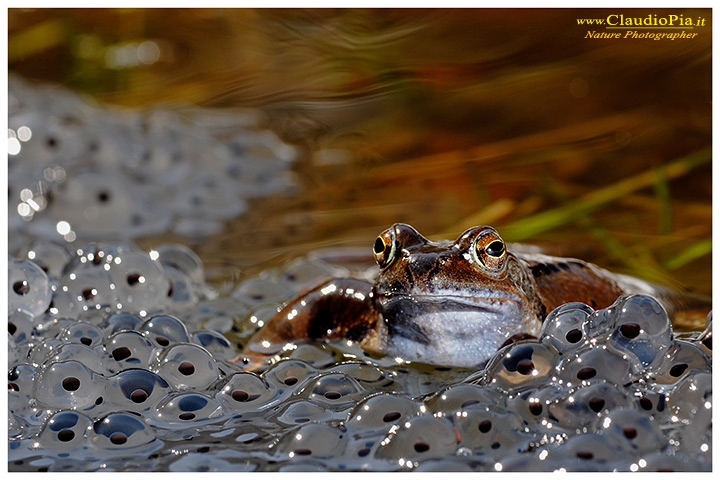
<point x="444" y="119"/>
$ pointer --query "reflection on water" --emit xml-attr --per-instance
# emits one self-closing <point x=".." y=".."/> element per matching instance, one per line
<point x="439" y="118"/>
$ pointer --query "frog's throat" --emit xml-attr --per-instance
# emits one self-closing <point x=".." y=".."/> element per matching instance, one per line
<point x="457" y="330"/>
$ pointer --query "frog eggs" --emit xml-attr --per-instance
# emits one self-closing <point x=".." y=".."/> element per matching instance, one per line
<point x="140" y="378"/>
<point x="90" y="172"/>
<point x="28" y="288"/>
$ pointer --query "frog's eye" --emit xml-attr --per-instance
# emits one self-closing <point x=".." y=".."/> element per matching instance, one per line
<point x="495" y="249"/>
<point x="384" y="248"/>
<point x="490" y="251"/>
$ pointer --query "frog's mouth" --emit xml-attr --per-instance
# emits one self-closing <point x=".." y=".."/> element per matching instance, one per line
<point x="459" y="330"/>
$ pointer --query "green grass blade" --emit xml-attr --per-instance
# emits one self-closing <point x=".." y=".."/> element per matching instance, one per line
<point x="697" y="250"/>
<point x="662" y="193"/>
<point x="574" y="209"/>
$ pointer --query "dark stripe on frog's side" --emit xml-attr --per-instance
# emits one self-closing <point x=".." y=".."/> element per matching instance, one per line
<point x="540" y="269"/>
<point x="559" y="280"/>
<point x="336" y="309"/>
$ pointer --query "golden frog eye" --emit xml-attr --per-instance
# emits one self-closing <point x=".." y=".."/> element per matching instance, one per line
<point x="384" y="248"/>
<point x="490" y="250"/>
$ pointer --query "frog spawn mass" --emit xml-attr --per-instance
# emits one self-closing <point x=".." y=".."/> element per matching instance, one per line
<point x="82" y="171"/>
<point x="119" y="359"/>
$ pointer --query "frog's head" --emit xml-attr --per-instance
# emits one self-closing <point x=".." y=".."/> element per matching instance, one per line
<point x="449" y="302"/>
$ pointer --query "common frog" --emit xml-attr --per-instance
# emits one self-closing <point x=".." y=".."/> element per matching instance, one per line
<point x="443" y="302"/>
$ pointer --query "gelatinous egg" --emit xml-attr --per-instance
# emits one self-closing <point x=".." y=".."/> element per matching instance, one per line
<point x="682" y="358"/>
<point x="635" y="430"/>
<point x="182" y="293"/>
<point x="585" y="405"/>
<point x="522" y="365"/>
<point x="139" y="390"/>
<point x="597" y="363"/>
<point x="140" y="281"/>
<point x="642" y="331"/>
<point x="21" y="383"/>
<point x="312" y="441"/>
<point x="215" y="343"/>
<point x="51" y="256"/>
<point x="186" y="366"/>
<point x="181" y="410"/>
<point x="182" y="259"/>
<point x="163" y="330"/>
<point x="128" y="349"/>
<point x="84" y="333"/>
<point x="66" y="430"/>
<point x="302" y="411"/>
<point x="20" y="325"/>
<point x="91" y="289"/>
<point x="381" y="412"/>
<point x="118" y="322"/>
<point x="419" y="438"/>
<point x="28" y="288"/>
<point x="563" y="327"/>
<point x="463" y="395"/>
<point x="122" y="431"/>
<point x="70" y="384"/>
<point x="247" y="391"/>
<point x="491" y="430"/>
<point x="334" y="390"/>
<point x="261" y="291"/>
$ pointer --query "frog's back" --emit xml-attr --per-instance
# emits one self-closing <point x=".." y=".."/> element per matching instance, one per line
<point x="561" y="280"/>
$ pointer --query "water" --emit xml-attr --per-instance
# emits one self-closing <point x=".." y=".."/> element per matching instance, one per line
<point x="439" y="118"/>
<point x="120" y="352"/>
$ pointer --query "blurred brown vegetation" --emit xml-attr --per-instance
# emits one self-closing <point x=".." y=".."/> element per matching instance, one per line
<point x="440" y="118"/>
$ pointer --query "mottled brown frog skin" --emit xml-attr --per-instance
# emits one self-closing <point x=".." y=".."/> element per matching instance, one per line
<point x="443" y="303"/>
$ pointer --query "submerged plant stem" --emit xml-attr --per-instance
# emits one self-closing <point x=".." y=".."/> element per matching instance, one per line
<point x="662" y="193"/>
<point x="697" y="250"/>
<point x="529" y="226"/>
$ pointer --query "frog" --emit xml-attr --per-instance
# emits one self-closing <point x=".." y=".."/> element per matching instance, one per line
<point x="450" y="303"/>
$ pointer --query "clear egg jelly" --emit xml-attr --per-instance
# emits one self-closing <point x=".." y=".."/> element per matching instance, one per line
<point x="89" y="172"/>
<point x="119" y="360"/>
